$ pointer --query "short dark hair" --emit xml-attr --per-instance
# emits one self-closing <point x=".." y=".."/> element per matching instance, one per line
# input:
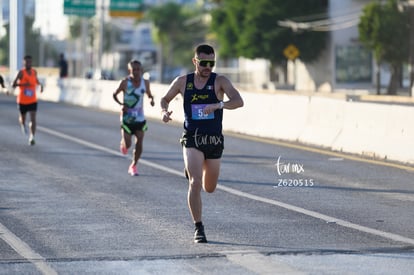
<point x="204" y="48"/>
<point x="134" y="62"/>
<point x="27" y="57"/>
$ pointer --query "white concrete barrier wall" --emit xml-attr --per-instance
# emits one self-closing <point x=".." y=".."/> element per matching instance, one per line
<point x="268" y="115"/>
<point x="380" y="130"/>
<point x="324" y="121"/>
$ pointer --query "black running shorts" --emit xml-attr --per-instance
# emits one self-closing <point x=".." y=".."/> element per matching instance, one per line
<point x="212" y="146"/>
<point x="24" y="108"/>
<point x="131" y="128"/>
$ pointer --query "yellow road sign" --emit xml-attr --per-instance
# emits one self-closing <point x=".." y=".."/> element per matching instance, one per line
<point x="291" y="52"/>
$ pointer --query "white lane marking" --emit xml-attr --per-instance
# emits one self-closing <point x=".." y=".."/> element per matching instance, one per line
<point x="320" y="216"/>
<point x="104" y="149"/>
<point x="297" y="209"/>
<point x="25" y="251"/>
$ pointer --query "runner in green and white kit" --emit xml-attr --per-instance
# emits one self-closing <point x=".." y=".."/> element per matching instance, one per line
<point x="133" y="122"/>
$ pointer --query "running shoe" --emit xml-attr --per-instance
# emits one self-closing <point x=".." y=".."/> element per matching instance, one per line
<point x="123" y="149"/>
<point x="132" y="170"/>
<point x="199" y="235"/>
<point x="32" y="140"/>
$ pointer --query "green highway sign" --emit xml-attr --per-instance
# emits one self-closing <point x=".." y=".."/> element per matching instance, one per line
<point x="84" y="8"/>
<point x="126" y="8"/>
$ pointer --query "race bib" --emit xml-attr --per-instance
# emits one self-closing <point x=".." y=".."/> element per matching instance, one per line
<point x="28" y="92"/>
<point x="198" y="114"/>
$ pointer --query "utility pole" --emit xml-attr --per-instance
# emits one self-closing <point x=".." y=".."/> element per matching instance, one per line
<point x="99" y="36"/>
<point x="16" y="49"/>
<point x="411" y="15"/>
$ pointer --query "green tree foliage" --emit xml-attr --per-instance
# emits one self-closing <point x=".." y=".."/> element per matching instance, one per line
<point x="384" y="29"/>
<point x="227" y="25"/>
<point x="178" y="29"/>
<point x="109" y="30"/>
<point x="32" y="43"/>
<point x="5" y="47"/>
<point x="251" y="28"/>
<point x="75" y="27"/>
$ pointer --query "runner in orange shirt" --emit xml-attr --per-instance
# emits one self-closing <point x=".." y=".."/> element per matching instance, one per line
<point x="27" y="81"/>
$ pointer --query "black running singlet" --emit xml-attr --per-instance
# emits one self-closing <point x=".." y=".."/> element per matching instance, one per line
<point x="194" y="102"/>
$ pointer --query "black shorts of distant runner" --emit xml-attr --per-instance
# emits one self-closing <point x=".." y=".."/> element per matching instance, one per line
<point x="131" y="128"/>
<point x="24" y="108"/>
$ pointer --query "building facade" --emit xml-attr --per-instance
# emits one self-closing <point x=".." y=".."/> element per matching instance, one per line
<point x="345" y="64"/>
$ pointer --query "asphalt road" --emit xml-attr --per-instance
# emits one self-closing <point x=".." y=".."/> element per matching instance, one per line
<point x="68" y="206"/>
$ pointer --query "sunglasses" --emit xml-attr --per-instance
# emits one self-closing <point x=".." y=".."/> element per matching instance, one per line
<point x="205" y="62"/>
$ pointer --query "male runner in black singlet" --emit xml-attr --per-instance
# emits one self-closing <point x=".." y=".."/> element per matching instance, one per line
<point x="202" y="141"/>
